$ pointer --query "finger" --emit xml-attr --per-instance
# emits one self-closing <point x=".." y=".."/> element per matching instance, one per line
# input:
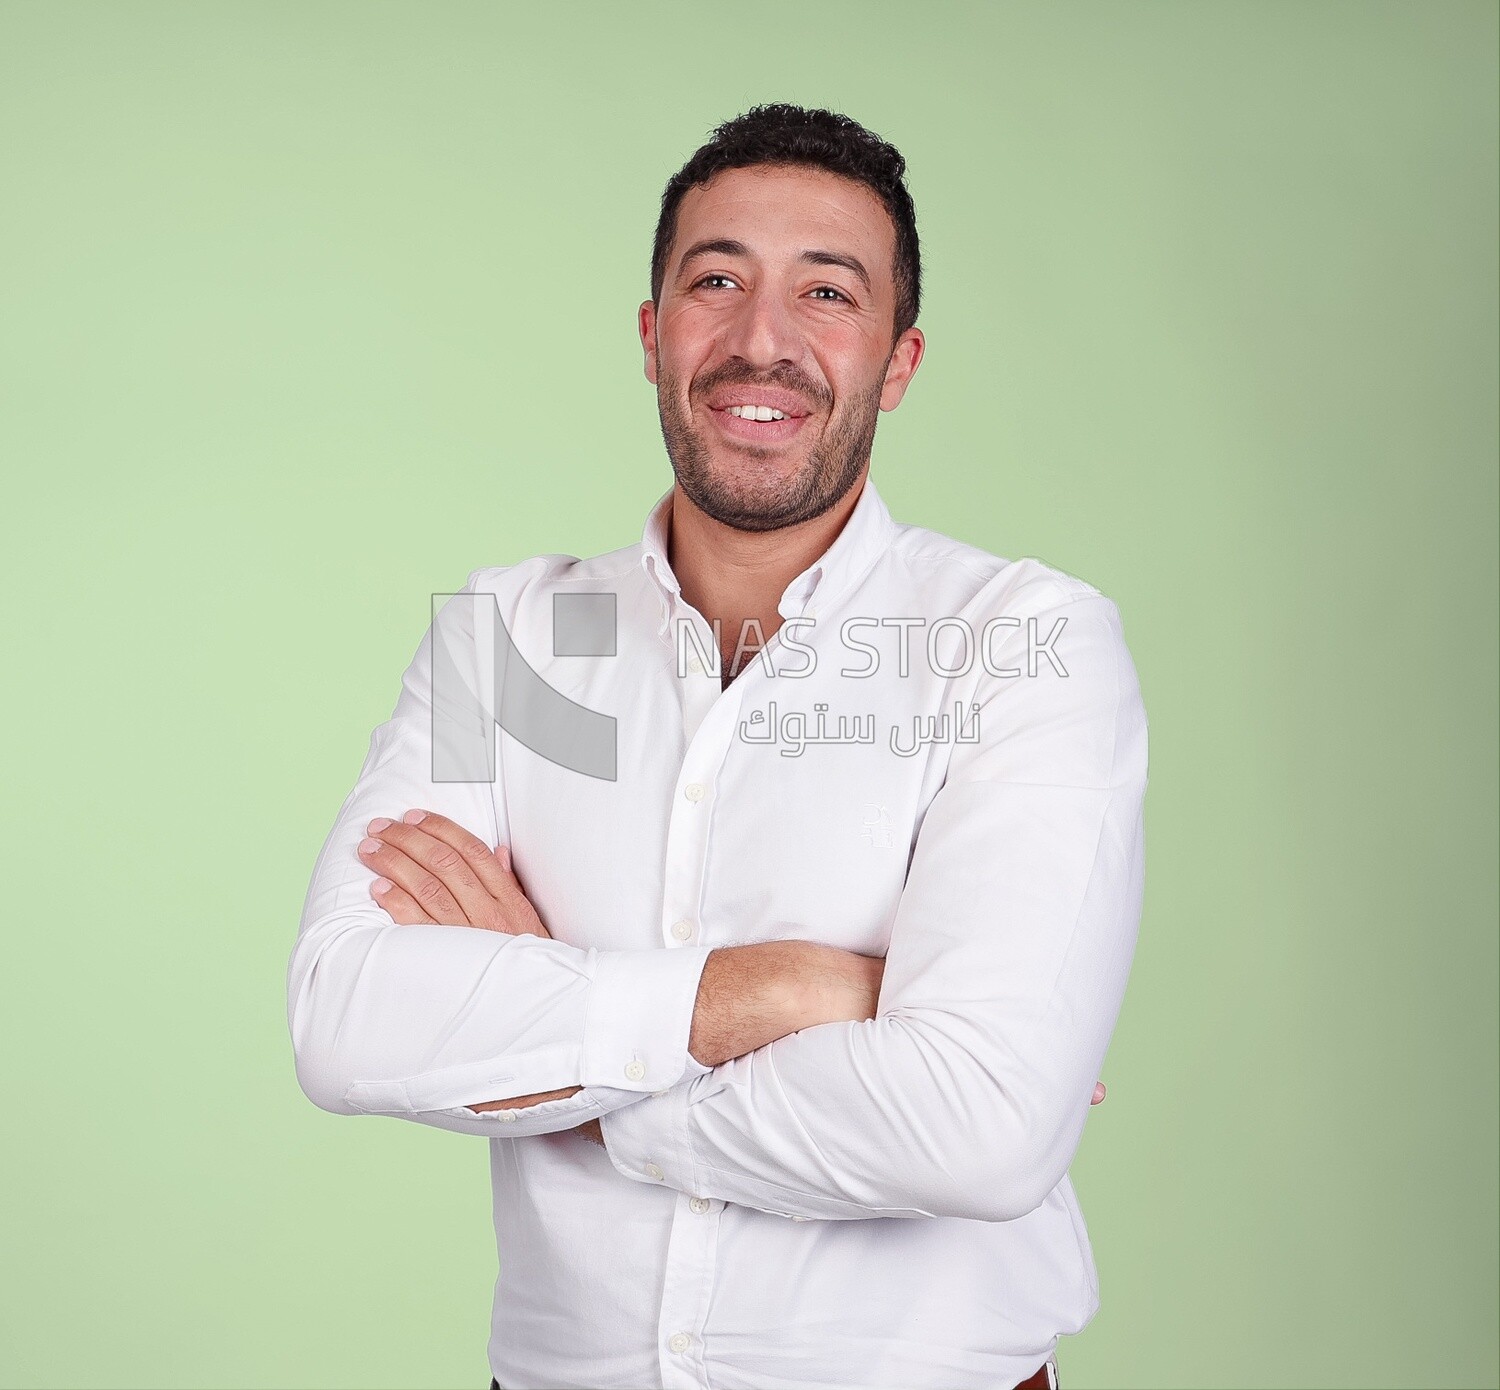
<point x="453" y="853"/>
<point x="445" y="863"/>
<point x="491" y="868"/>
<point x="507" y="907"/>
<point x="521" y="914"/>
<point x="428" y="890"/>
<point x="514" y="885"/>
<point x="402" y="908"/>
<point x="1098" y="1093"/>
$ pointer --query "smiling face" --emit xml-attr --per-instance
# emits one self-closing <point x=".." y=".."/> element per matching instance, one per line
<point x="771" y="347"/>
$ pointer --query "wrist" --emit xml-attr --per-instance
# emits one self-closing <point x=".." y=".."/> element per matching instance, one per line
<point x="748" y="996"/>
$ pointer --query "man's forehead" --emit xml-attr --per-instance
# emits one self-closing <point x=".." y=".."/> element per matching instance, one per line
<point x="784" y="204"/>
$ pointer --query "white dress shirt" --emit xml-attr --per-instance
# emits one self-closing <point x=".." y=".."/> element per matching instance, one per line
<point x="876" y="1203"/>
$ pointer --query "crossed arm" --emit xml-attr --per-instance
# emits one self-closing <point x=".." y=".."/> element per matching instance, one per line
<point x="432" y="870"/>
<point x="964" y="1093"/>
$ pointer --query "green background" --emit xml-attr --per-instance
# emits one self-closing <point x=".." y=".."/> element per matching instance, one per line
<point x="306" y="311"/>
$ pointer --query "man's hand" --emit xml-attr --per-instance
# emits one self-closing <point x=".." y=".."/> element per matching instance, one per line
<point x="434" y="872"/>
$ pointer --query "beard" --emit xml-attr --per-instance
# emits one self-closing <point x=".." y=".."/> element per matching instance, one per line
<point x="830" y="470"/>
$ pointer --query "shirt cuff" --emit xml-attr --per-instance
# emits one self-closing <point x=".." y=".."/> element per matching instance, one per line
<point x="640" y="1017"/>
<point x="648" y="1141"/>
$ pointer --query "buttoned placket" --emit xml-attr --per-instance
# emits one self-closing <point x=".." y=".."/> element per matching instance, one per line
<point x="710" y="717"/>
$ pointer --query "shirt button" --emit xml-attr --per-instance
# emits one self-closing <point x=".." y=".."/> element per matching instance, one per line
<point x="699" y="1205"/>
<point x="635" y="1071"/>
<point x="652" y="1171"/>
<point x="695" y="666"/>
<point x="682" y="930"/>
<point x="507" y="1117"/>
<point x="694" y="791"/>
<point x="680" y="1341"/>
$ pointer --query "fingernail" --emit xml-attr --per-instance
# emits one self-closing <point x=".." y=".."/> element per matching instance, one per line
<point x="369" y="846"/>
<point x="378" y="824"/>
<point x="503" y="855"/>
<point x="414" y="817"/>
<point x="381" y="885"/>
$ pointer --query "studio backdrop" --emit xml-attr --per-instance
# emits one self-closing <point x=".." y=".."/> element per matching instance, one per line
<point x="309" y="310"/>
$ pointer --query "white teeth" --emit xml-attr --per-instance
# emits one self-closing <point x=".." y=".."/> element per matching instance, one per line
<point x="756" y="412"/>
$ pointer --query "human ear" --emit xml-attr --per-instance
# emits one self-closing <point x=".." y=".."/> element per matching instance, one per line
<point x="646" y="325"/>
<point x="906" y="356"/>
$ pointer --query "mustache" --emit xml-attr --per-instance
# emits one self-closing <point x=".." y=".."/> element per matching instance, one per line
<point x="788" y="380"/>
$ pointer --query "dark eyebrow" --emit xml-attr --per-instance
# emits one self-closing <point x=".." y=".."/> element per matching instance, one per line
<point x="838" y="258"/>
<point x="721" y="246"/>
<point x="725" y="246"/>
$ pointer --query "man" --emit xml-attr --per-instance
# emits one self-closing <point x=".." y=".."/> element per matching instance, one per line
<point x="784" y="1017"/>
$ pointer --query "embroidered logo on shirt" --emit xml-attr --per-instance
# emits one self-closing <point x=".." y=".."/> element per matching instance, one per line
<point x="876" y="827"/>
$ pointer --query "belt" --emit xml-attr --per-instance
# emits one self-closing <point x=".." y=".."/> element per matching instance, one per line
<point x="1041" y="1380"/>
<point x="1044" y="1378"/>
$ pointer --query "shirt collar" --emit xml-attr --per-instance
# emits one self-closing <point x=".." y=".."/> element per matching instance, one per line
<point x="866" y="534"/>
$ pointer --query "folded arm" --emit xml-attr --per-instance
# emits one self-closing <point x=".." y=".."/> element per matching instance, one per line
<point x="967" y="1093"/>
<point x="423" y="1021"/>
<point x="397" y="1005"/>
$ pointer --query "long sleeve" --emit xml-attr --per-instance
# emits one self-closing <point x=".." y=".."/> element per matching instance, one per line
<point x="422" y="1022"/>
<point x="1009" y="954"/>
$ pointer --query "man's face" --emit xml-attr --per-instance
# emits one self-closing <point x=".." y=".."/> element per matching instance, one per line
<point x="779" y="292"/>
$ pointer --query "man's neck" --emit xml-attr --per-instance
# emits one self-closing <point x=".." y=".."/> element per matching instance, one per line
<point x="738" y="576"/>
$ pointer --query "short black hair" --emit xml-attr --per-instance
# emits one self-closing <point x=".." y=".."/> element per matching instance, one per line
<point x="778" y="133"/>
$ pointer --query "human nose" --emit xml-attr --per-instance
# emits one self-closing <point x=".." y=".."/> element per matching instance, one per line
<point x="763" y="331"/>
